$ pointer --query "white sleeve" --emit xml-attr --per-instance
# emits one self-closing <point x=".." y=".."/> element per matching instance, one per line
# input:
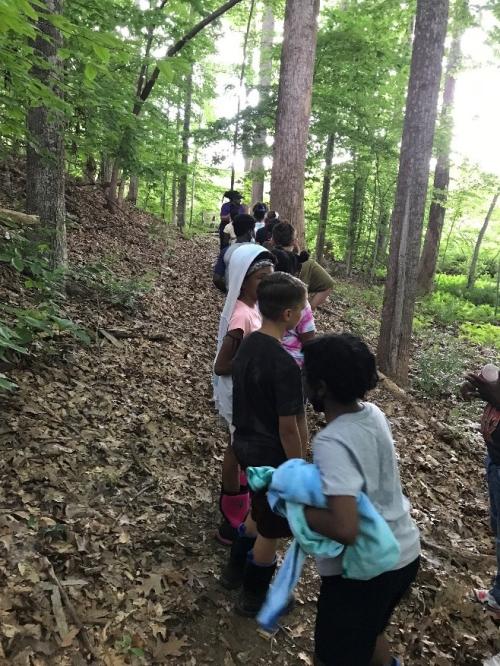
<point x="340" y="474"/>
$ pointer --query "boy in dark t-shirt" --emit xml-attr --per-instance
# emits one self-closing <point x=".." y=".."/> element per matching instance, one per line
<point x="267" y="399"/>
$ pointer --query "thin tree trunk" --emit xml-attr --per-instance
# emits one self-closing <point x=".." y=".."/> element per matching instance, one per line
<point x="430" y="251"/>
<point x="407" y="218"/>
<point x="265" y="80"/>
<point x="325" y="198"/>
<point x="105" y="169"/>
<point x="186" y="128"/>
<point x="90" y="169"/>
<point x="174" y="198"/>
<point x="471" y="278"/>
<point x="238" y="109"/>
<point x="354" y="220"/>
<point x="112" y="190"/>
<point x="294" y="106"/>
<point x="364" y="261"/>
<point x="45" y="191"/>
<point x="380" y="240"/>
<point x="121" y="188"/>
<point x="133" y="190"/>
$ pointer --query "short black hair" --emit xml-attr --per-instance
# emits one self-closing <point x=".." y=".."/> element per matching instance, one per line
<point x="283" y="234"/>
<point x="278" y="292"/>
<point x="344" y="363"/>
<point x="242" y="224"/>
<point x="289" y="262"/>
<point x="259" y="211"/>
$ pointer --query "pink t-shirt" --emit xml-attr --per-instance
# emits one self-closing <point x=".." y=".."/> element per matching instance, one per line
<point x="291" y="341"/>
<point x="246" y="318"/>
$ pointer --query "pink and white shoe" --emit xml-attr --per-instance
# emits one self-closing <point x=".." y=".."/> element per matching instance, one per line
<point x="488" y="600"/>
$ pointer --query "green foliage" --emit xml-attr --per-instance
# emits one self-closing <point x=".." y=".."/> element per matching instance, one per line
<point x="486" y="335"/>
<point x="124" y="292"/>
<point x="439" y="368"/>
<point x="484" y="291"/>
<point x="447" y="309"/>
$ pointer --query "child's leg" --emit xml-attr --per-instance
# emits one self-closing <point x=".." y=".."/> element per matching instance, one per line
<point x="230" y="471"/>
<point x="493" y="475"/>
<point x="382" y="654"/>
<point x="264" y="551"/>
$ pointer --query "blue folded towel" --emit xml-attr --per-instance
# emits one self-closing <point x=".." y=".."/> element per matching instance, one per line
<point x="293" y="486"/>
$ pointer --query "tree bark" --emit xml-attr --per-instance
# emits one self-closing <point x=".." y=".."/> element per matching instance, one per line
<point x="354" y="219"/>
<point x="105" y="169"/>
<point x="411" y="191"/>
<point x="121" y="188"/>
<point x="186" y="128"/>
<point x="430" y="251"/>
<point x="471" y="278"/>
<point x="265" y="80"/>
<point x="112" y="190"/>
<point x="45" y="193"/>
<point x="325" y="198"/>
<point x="90" y="169"/>
<point x="380" y="240"/>
<point x="133" y="190"/>
<point x="294" y="107"/>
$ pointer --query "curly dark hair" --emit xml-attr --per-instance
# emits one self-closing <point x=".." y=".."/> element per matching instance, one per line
<point x="344" y="363"/>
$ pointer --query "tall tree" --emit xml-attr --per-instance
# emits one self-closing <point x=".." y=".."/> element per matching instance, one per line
<point x="186" y="128"/>
<point x="430" y="250"/>
<point x="265" y="79"/>
<point x="294" y="107"/>
<point x="45" y="147"/>
<point x="325" y="198"/>
<point x="354" y="224"/>
<point x="471" y="278"/>
<point x="411" y="191"/>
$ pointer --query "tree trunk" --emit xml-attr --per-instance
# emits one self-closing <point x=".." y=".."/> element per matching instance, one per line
<point x="238" y="109"/>
<point x="121" y="188"/>
<point x="174" y="198"/>
<point x="105" y="169"/>
<point x="380" y="240"/>
<point x="471" y="278"/>
<point x="354" y="220"/>
<point x="45" y="192"/>
<point x="183" y="176"/>
<point x="325" y="198"/>
<point x="112" y="190"/>
<point x="90" y="169"/>
<point x="294" y="106"/>
<point x="411" y="191"/>
<point x="265" y="80"/>
<point x="133" y="190"/>
<point x="430" y="251"/>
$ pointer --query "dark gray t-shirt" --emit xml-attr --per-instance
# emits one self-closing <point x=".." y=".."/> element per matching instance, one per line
<point x="355" y="453"/>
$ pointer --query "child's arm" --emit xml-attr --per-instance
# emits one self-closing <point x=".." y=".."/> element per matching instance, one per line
<point x="487" y="391"/>
<point x="224" y="361"/>
<point x="305" y="337"/>
<point x="338" y="522"/>
<point x="290" y="437"/>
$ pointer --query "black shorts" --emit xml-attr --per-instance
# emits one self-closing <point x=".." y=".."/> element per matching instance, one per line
<point x="352" y="613"/>
<point x="261" y="454"/>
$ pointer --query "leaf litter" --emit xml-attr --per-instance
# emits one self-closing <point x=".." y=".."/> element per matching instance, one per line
<point x="110" y="471"/>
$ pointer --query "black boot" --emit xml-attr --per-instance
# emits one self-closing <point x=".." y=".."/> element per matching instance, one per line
<point x="232" y="574"/>
<point x="256" y="581"/>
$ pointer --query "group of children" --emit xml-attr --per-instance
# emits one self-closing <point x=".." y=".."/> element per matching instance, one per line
<point x="267" y="353"/>
<point x="269" y="362"/>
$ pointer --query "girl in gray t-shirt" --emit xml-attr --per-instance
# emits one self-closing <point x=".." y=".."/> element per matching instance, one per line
<point x="355" y="453"/>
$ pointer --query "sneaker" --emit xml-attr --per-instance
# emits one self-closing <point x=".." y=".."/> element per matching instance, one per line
<point x="488" y="600"/>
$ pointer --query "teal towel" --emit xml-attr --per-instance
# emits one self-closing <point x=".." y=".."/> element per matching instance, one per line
<point x="295" y="485"/>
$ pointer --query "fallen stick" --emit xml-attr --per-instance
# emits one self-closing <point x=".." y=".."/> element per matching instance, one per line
<point x="454" y="554"/>
<point x="85" y="638"/>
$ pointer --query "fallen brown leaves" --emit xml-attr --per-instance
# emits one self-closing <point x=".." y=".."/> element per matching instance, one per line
<point x="109" y="467"/>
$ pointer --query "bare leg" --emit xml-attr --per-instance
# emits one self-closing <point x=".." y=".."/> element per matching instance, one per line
<point x="230" y="471"/>
<point x="250" y="526"/>
<point x="319" y="298"/>
<point x="382" y="654"/>
<point x="264" y="550"/>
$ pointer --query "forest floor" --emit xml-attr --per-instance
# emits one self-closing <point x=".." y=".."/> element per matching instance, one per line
<point x="110" y="459"/>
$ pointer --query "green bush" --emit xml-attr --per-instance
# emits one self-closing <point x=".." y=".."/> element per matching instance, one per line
<point x="487" y="335"/>
<point x="447" y="309"/>
<point x="114" y="289"/>
<point x="483" y="292"/>
<point x="438" y="369"/>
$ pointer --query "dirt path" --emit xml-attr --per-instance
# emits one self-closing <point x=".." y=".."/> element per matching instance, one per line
<point x="110" y="462"/>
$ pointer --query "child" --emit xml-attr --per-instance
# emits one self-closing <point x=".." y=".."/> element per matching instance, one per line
<point x="267" y="399"/>
<point x="354" y="453"/>
<point x="244" y="228"/>
<point x="296" y="338"/>
<point x="249" y="264"/>
<point x="488" y="389"/>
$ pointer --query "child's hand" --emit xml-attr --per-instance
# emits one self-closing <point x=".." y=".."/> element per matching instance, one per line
<point x="488" y="391"/>
<point x="468" y="391"/>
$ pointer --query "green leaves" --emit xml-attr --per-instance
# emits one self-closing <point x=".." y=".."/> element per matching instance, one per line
<point x="166" y="70"/>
